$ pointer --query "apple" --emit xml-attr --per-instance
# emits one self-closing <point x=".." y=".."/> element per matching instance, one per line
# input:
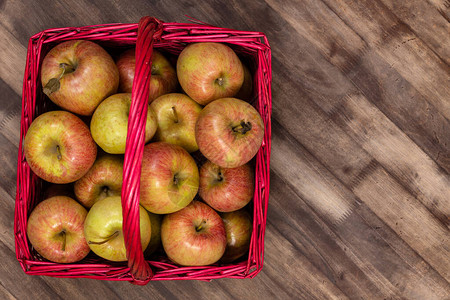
<point x="77" y="75"/>
<point x="55" y="230"/>
<point x="103" y="229"/>
<point x="163" y="78"/>
<point x="194" y="236"/>
<point x="229" y="132"/>
<point x="245" y="93"/>
<point x="209" y="71"/>
<point x="176" y="115"/>
<point x="238" y="227"/>
<point x="155" y="240"/>
<point x="59" y="148"/>
<point x="226" y="189"/>
<point x="104" y="179"/>
<point x="109" y="123"/>
<point x="169" y="178"/>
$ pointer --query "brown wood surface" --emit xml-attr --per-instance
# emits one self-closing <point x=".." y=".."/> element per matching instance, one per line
<point x="360" y="189"/>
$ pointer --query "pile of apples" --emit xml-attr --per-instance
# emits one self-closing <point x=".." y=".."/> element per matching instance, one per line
<point x="193" y="210"/>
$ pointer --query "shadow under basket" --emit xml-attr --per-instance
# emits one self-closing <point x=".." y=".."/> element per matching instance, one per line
<point x="170" y="38"/>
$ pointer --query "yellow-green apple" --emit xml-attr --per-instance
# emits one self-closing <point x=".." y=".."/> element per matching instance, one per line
<point x="176" y="115"/>
<point x="226" y="189"/>
<point x="109" y="123"/>
<point x="245" y="93"/>
<point x="104" y="179"/>
<point x="55" y="229"/>
<point x="104" y="232"/>
<point x="59" y="147"/>
<point x="163" y="78"/>
<point x="229" y="132"/>
<point x="77" y="75"/>
<point x="209" y="71"/>
<point x="194" y="236"/>
<point x="238" y="226"/>
<point x="155" y="240"/>
<point x="169" y="178"/>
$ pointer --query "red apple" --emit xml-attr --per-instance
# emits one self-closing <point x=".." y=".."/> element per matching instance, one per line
<point x="176" y="115"/>
<point x="226" y="189"/>
<point x="77" y="75"/>
<point x="59" y="147"/>
<point x="229" y="132"/>
<point x="169" y="178"/>
<point x="209" y="71"/>
<point x="104" y="179"/>
<point x="163" y="78"/>
<point x="238" y="226"/>
<point x="194" y="236"/>
<point x="55" y="229"/>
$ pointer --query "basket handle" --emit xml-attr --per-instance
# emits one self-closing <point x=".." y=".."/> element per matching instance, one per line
<point x="149" y="29"/>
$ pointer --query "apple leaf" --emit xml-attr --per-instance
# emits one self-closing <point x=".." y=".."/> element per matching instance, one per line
<point x="51" y="86"/>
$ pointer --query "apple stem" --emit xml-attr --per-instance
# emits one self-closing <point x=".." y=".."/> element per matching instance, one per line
<point x="153" y="70"/>
<point x="175" y="115"/>
<point x="219" y="175"/>
<point x="58" y="151"/>
<point x="116" y="233"/>
<point x="63" y="234"/>
<point x="200" y="227"/>
<point x="243" y="127"/>
<point x="66" y="69"/>
<point x="53" y="84"/>
<point x="220" y="81"/>
<point x="105" y="190"/>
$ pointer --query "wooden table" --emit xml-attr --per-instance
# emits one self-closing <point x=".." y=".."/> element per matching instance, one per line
<point x="360" y="188"/>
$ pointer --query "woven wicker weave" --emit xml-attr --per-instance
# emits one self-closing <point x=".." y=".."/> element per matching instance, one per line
<point x="149" y="33"/>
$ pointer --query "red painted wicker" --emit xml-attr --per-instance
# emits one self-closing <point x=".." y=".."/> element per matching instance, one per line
<point x="148" y="34"/>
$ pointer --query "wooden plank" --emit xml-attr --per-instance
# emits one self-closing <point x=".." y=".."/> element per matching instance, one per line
<point x="320" y="189"/>
<point x="407" y="217"/>
<point x="312" y="284"/>
<point x="12" y="60"/>
<point x="315" y="22"/>
<point x="8" y="160"/>
<point x="312" y="125"/>
<point x="360" y="241"/>
<point x="400" y="47"/>
<point x="429" y="192"/>
<point x="395" y="151"/>
<point x="426" y="125"/>
<point x="427" y="22"/>
<point x="315" y="240"/>
<point x="442" y="6"/>
<point x="301" y="115"/>
<point x="426" y="282"/>
<point x="5" y="294"/>
<point x="403" y="105"/>
<point x="10" y="114"/>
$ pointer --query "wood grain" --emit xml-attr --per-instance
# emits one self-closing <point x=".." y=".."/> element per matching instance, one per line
<point x="360" y="187"/>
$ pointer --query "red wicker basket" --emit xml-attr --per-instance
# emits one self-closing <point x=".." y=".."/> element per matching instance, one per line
<point x="149" y="33"/>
